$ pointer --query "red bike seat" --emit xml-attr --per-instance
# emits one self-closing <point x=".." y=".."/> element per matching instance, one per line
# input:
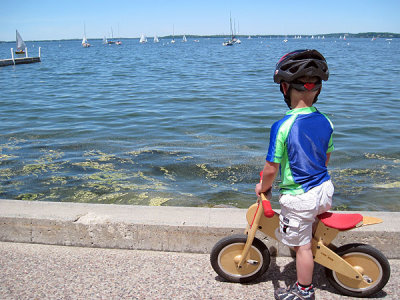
<point x="340" y="221"/>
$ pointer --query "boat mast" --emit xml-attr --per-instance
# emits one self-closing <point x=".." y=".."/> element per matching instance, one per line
<point x="230" y="20"/>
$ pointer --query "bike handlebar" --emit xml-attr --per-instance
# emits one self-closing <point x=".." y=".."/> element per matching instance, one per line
<point x="268" y="212"/>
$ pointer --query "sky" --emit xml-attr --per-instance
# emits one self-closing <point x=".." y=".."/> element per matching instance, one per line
<point x="67" y="19"/>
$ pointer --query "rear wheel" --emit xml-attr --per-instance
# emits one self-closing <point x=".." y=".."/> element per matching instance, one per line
<point x="226" y="253"/>
<point x="370" y="262"/>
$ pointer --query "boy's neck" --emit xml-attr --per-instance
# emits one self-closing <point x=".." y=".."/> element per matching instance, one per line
<point x="301" y="104"/>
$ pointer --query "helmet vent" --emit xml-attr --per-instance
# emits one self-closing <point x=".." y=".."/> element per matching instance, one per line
<point x="294" y="69"/>
<point x="304" y="55"/>
<point x="311" y="64"/>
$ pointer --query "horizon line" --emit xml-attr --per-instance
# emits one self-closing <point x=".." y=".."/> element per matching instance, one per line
<point x="347" y="34"/>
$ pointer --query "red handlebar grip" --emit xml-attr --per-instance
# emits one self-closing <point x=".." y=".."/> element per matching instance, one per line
<point x="268" y="212"/>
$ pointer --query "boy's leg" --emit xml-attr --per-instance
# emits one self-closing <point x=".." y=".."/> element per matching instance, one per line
<point x="304" y="264"/>
<point x="303" y="288"/>
<point x="296" y="229"/>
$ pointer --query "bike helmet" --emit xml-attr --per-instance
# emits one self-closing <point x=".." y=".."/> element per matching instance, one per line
<point x="298" y="64"/>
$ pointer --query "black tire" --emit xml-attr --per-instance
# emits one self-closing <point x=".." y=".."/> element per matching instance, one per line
<point x="370" y="262"/>
<point x="223" y="254"/>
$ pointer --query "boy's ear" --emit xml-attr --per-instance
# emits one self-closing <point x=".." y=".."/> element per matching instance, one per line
<point x="284" y="87"/>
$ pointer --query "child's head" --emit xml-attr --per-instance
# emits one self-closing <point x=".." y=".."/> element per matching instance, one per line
<point x="301" y="71"/>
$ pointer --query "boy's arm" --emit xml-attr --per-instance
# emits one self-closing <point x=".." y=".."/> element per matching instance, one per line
<point x="269" y="173"/>
<point x="328" y="156"/>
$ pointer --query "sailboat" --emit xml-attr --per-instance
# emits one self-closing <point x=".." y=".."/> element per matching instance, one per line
<point x="143" y="39"/>
<point x="118" y="42"/>
<point x="237" y="33"/>
<point x="156" y="39"/>
<point x="184" y="39"/>
<point x="232" y="41"/>
<point x="112" y="38"/>
<point x="85" y="43"/>
<point x="173" y="35"/>
<point x="20" y="44"/>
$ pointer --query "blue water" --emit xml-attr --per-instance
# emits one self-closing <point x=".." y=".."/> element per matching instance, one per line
<point x="188" y="123"/>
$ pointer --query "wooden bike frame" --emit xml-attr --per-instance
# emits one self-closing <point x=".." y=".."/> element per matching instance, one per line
<point x="323" y="236"/>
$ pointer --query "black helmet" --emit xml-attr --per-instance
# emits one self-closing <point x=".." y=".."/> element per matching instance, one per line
<point x="298" y="64"/>
<point x="301" y="63"/>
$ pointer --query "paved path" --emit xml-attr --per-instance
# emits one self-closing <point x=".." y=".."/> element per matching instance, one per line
<point x="31" y="271"/>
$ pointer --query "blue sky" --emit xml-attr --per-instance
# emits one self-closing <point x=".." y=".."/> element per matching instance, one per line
<point x="65" y="19"/>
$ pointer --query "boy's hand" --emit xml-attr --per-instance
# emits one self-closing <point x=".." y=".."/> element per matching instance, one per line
<point x="268" y="175"/>
<point x="258" y="189"/>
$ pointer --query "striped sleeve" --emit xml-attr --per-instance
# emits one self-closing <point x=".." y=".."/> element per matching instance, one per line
<point x="277" y="139"/>
<point x="331" y="147"/>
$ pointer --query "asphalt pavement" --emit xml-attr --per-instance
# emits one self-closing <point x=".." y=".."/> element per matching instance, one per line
<point x="33" y="271"/>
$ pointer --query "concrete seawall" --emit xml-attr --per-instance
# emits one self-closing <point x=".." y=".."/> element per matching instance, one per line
<point x="178" y="229"/>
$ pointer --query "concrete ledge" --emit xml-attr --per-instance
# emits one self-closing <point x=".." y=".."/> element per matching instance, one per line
<point x="179" y="229"/>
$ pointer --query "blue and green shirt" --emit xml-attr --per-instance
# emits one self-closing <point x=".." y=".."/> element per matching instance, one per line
<point x="299" y="142"/>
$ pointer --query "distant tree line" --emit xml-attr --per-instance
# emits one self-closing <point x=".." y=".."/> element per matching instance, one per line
<point x="366" y="35"/>
<point x="331" y="35"/>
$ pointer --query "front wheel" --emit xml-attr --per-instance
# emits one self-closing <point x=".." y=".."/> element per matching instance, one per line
<point x="226" y="253"/>
<point x="370" y="262"/>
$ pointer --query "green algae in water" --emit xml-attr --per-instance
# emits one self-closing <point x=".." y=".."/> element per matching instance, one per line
<point x="390" y="185"/>
<point x="58" y="180"/>
<point x="100" y="177"/>
<point x="9" y="147"/>
<point x="30" y="196"/>
<point x="158" y="201"/>
<point x="6" y="156"/>
<point x="345" y="179"/>
<point x="341" y="207"/>
<point x="45" y="163"/>
<point x="168" y="175"/>
<point x="107" y="184"/>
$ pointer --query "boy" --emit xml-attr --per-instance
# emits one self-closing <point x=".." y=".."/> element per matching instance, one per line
<point x="300" y="145"/>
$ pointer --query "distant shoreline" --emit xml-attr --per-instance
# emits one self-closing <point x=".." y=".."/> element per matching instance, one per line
<point x="326" y="35"/>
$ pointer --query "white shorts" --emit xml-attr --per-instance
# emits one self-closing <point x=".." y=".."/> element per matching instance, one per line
<point x="299" y="212"/>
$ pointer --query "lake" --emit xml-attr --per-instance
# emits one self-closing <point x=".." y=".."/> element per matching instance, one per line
<point x="187" y="124"/>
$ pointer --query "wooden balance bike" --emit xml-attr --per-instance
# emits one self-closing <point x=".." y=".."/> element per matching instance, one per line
<point x="356" y="270"/>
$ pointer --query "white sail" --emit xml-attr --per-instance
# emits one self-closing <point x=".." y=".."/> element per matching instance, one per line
<point x="85" y="43"/>
<point x="143" y="39"/>
<point x="20" y="42"/>
<point x="156" y="39"/>
<point x="184" y="39"/>
<point x="173" y="35"/>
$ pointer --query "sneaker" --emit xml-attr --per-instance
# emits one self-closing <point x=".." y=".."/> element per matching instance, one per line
<point x="295" y="292"/>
